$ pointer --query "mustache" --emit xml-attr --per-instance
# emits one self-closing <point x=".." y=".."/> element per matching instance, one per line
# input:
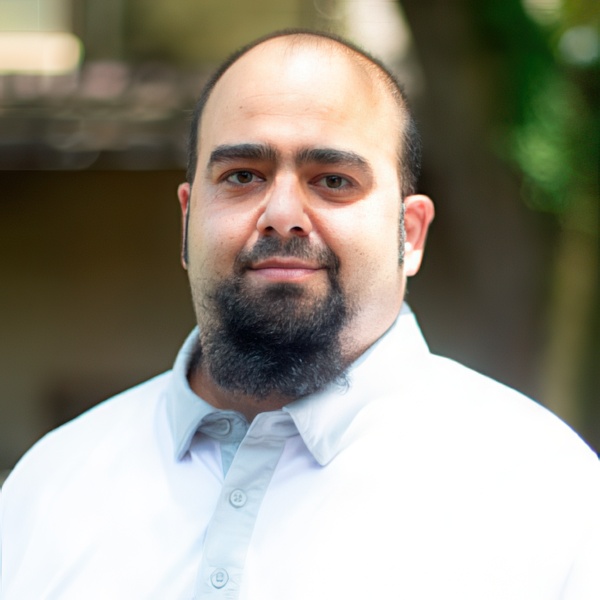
<point x="296" y="247"/>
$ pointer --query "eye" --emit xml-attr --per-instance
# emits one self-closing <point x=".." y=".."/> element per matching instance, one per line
<point x="334" y="182"/>
<point x="241" y="177"/>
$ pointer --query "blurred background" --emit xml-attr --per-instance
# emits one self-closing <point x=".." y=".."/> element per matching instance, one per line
<point x="95" y="97"/>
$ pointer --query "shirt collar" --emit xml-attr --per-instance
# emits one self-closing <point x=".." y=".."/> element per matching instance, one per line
<point x="185" y="410"/>
<point x="322" y="418"/>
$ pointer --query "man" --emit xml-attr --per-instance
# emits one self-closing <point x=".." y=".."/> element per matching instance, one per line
<point x="306" y="444"/>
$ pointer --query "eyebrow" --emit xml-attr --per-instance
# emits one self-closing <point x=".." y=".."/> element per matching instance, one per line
<point x="229" y="153"/>
<point x="332" y="156"/>
<point x="264" y="152"/>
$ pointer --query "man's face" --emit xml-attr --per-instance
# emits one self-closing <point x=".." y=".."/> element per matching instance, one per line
<point x="299" y="143"/>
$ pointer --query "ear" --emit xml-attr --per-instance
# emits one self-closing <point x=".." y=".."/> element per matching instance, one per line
<point x="418" y="214"/>
<point x="183" y="193"/>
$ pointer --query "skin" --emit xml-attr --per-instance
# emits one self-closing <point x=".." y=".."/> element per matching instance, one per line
<point x="302" y="141"/>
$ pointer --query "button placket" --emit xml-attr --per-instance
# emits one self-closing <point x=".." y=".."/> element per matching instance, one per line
<point x="246" y="482"/>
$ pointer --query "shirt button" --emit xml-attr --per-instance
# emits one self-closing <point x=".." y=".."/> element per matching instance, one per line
<point x="238" y="498"/>
<point x="223" y="426"/>
<point x="219" y="578"/>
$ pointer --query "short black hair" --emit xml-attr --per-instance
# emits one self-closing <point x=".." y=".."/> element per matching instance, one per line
<point x="409" y="156"/>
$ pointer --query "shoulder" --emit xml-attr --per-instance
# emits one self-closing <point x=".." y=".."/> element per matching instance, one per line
<point x="487" y="400"/>
<point x="136" y="403"/>
<point x="111" y="423"/>
<point x="443" y="430"/>
<point x="501" y="422"/>
<point x="440" y="406"/>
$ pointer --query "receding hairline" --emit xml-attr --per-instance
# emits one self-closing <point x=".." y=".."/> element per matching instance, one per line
<point x="297" y="40"/>
<point x="371" y="76"/>
<point x="376" y="70"/>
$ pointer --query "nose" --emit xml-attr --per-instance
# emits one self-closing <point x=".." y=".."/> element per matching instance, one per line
<point x="284" y="212"/>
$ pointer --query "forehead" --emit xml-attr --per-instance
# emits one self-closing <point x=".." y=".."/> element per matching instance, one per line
<point x="317" y="92"/>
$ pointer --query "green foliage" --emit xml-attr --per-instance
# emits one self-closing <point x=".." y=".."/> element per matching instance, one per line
<point x="543" y="144"/>
<point x="550" y="111"/>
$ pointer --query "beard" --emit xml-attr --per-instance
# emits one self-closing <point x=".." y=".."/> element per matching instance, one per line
<point x="279" y="339"/>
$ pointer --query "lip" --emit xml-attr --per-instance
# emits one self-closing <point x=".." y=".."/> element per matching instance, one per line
<point x="284" y="269"/>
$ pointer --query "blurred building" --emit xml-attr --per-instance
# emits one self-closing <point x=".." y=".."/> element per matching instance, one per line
<point x="95" y="97"/>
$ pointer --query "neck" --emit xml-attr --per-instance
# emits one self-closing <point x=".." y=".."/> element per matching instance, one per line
<point x="203" y="385"/>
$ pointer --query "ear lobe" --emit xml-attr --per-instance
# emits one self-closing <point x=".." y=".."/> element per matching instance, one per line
<point x="183" y="193"/>
<point x="418" y="214"/>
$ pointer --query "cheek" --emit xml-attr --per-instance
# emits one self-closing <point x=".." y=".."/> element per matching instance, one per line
<point x="375" y="231"/>
<point x="215" y="240"/>
<point x="368" y="251"/>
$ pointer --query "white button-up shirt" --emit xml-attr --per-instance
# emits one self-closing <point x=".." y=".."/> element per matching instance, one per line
<point x="420" y="480"/>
